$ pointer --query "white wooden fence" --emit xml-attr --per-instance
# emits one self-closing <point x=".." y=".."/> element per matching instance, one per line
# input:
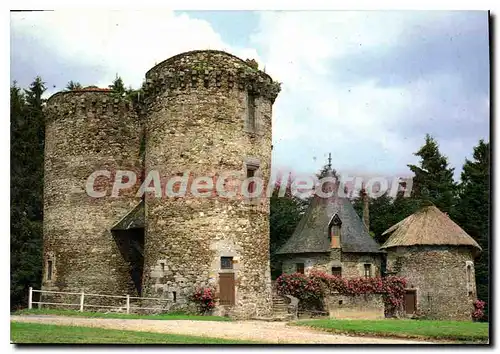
<point x="81" y="305"/>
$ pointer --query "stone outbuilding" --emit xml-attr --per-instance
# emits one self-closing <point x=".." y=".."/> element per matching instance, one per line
<point x="437" y="259"/>
<point x="331" y="238"/>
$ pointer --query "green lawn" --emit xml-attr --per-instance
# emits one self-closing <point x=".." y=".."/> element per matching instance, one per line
<point x="446" y="330"/>
<point x="21" y="333"/>
<point x="165" y="316"/>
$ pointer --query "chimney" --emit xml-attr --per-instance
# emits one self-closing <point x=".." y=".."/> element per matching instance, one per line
<point x="366" y="210"/>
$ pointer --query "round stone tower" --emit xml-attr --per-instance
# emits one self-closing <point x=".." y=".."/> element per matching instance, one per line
<point x="208" y="122"/>
<point x="87" y="131"/>
<point x="436" y="257"/>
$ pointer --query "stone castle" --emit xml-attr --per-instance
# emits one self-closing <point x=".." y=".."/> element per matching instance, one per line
<point x="208" y="112"/>
<point x="202" y="111"/>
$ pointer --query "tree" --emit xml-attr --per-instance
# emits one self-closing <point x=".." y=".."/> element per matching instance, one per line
<point x="27" y="145"/>
<point x="285" y="214"/>
<point x="382" y="215"/>
<point x="473" y="210"/>
<point x="118" y="87"/>
<point x="433" y="179"/>
<point x="72" y="85"/>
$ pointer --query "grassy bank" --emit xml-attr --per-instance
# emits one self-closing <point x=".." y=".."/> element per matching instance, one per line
<point x="166" y="316"/>
<point x="442" y="330"/>
<point x="24" y="333"/>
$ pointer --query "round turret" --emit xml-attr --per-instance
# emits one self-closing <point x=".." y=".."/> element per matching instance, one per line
<point x="87" y="131"/>
<point x="208" y="113"/>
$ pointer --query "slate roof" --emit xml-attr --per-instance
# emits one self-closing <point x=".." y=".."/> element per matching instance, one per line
<point x="428" y="226"/>
<point x="311" y="234"/>
<point x="134" y="219"/>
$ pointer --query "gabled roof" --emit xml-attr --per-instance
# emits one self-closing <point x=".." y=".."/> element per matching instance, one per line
<point x="311" y="234"/>
<point x="134" y="219"/>
<point x="428" y="226"/>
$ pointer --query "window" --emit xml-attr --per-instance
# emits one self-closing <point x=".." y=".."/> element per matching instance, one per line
<point x="299" y="268"/>
<point x="251" y="185"/>
<point x="226" y="262"/>
<point x="337" y="271"/>
<point x="251" y="112"/>
<point x="335" y="236"/>
<point x="49" y="270"/>
<point x="368" y="270"/>
<point x="162" y="266"/>
<point x="174" y="296"/>
<point x="469" y="279"/>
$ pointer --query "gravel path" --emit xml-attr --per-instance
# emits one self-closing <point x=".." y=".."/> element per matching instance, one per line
<point x="273" y="332"/>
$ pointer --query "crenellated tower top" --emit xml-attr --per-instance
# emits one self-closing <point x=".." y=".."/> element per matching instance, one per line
<point x="210" y="69"/>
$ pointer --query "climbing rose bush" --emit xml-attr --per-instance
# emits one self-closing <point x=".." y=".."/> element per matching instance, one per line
<point x="204" y="298"/>
<point x="318" y="284"/>
<point x="478" y="312"/>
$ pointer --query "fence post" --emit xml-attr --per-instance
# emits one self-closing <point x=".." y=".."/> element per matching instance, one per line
<point x="128" y="304"/>
<point x="81" y="301"/>
<point x="30" y="298"/>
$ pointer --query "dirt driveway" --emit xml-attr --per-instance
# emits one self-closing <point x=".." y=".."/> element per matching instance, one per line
<point x="273" y="332"/>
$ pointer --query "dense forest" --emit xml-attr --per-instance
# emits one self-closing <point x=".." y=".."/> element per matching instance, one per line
<point x="466" y="202"/>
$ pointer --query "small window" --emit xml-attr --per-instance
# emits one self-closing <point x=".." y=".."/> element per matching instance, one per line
<point x="226" y="262"/>
<point x="49" y="270"/>
<point x="251" y="185"/>
<point x="337" y="271"/>
<point x="174" y="296"/>
<point x="251" y="112"/>
<point x="368" y="270"/>
<point x="335" y="236"/>
<point x="469" y="274"/>
<point x="162" y="266"/>
<point x="299" y="268"/>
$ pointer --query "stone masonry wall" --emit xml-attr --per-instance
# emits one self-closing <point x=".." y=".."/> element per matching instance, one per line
<point x="196" y="107"/>
<point x="366" y="306"/>
<point x="352" y="263"/>
<point x="438" y="274"/>
<point x="86" y="131"/>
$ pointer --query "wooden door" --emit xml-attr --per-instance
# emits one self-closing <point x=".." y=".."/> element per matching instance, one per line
<point x="226" y="289"/>
<point x="410" y="301"/>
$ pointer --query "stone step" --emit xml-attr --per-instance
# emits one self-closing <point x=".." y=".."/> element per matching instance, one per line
<point x="280" y="310"/>
<point x="280" y="301"/>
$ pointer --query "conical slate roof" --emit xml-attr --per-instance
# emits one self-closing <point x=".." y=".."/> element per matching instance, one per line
<point x="428" y="226"/>
<point x="311" y="234"/>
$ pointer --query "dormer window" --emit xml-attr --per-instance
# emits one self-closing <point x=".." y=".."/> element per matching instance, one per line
<point x="335" y="231"/>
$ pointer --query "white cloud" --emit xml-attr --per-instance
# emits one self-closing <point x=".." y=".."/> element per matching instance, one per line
<point x="317" y="113"/>
<point x="123" y="42"/>
<point x="365" y="125"/>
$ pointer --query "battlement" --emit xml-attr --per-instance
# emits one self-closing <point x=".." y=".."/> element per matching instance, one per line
<point x="93" y="100"/>
<point x="209" y="69"/>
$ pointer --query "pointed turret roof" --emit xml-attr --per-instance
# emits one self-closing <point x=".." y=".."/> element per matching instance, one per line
<point x="428" y="226"/>
<point x="311" y="234"/>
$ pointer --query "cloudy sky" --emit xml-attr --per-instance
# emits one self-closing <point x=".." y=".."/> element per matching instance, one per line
<point x="365" y="86"/>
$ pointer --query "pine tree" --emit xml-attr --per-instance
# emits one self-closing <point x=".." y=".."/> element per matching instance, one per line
<point x="433" y="180"/>
<point x="27" y="144"/>
<point x="118" y="87"/>
<point x="473" y="210"/>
